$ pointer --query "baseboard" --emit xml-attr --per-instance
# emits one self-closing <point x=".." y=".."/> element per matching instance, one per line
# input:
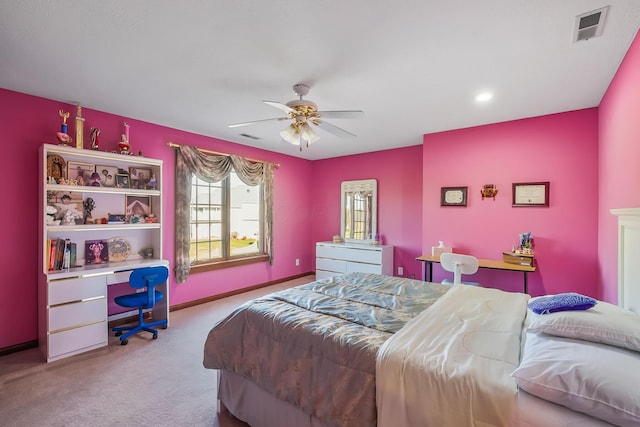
<point x="236" y="292"/>
<point x="18" y="347"/>
<point x="33" y="344"/>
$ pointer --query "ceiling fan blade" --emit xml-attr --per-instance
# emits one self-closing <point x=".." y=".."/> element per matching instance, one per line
<point x="256" y="121"/>
<point x="279" y="106"/>
<point x="345" y="114"/>
<point x="333" y="129"/>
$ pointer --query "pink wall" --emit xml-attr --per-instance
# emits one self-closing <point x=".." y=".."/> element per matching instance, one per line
<point x="559" y="148"/>
<point x="619" y="186"/>
<point x="399" y="176"/>
<point x="30" y="121"/>
<point x="576" y="240"/>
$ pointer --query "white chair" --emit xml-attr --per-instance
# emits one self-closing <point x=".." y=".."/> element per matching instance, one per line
<point x="459" y="264"/>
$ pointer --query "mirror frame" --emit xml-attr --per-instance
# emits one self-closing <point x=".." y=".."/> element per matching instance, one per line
<point x="347" y="187"/>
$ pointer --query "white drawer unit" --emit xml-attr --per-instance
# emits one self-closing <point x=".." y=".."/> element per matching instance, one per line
<point x="340" y="258"/>
<point x="76" y="316"/>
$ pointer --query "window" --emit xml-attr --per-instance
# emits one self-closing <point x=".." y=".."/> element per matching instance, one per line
<point x="225" y="222"/>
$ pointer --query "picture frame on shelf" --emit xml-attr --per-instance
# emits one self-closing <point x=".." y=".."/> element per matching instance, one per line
<point x="137" y="208"/>
<point x="107" y="175"/>
<point x="96" y="251"/>
<point x="122" y="180"/>
<point x="453" y="196"/>
<point x="530" y="194"/>
<point x="80" y="172"/>
<point x="139" y="177"/>
<point x="65" y="202"/>
<point x="56" y="167"/>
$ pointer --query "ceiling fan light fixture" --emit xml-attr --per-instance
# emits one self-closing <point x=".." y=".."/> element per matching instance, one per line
<point x="308" y="134"/>
<point x="291" y="134"/>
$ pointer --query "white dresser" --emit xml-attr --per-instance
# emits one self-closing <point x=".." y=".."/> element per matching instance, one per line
<point x="339" y="258"/>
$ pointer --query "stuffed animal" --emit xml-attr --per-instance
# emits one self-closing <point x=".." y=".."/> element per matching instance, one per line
<point x="51" y="216"/>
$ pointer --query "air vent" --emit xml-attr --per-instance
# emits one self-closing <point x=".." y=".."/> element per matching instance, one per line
<point x="590" y="24"/>
<point x="246" y="135"/>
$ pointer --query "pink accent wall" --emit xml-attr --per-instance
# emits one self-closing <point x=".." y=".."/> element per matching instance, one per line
<point x="559" y="148"/>
<point x="30" y="121"/>
<point x="399" y="176"/>
<point x="619" y="185"/>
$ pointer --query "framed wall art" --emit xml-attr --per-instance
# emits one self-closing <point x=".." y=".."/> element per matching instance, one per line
<point x="453" y="196"/>
<point x="531" y="194"/>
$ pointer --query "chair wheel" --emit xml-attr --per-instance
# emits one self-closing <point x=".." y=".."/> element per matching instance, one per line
<point x="118" y="333"/>
<point x="155" y="336"/>
<point x="124" y="342"/>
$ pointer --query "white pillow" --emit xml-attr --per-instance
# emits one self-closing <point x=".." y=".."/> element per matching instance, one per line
<point x="604" y="323"/>
<point x="595" y="379"/>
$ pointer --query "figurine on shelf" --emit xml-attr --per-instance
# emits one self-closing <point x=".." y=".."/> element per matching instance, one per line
<point x="153" y="182"/>
<point x="95" y="179"/>
<point x="51" y="215"/>
<point x="151" y="219"/>
<point x="88" y="205"/>
<point x="124" y="145"/>
<point x="70" y="216"/>
<point x="93" y="138"/>
<point x="63" y="136"/>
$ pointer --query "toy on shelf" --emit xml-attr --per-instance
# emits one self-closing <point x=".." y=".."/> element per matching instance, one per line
<point x="93" y="138"/>
<point x="63" y="136"/>
<point x="95" y="179"/>
<point x="124" y="145"/>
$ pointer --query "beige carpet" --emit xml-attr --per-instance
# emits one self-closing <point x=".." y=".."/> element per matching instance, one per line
<point x="145" y="383"/>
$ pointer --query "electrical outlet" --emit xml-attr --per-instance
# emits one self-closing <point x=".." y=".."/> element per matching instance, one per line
<point x="297" y="262"/>
<point x="400" y="271"/>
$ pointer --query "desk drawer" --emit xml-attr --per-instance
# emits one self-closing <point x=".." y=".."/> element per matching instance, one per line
<point x="76" y="340"/>
<point x="76" y="289"/>
<point x="76" y="314"/>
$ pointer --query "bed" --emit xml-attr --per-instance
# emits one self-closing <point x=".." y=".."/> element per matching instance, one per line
<point x="365" y="350"/>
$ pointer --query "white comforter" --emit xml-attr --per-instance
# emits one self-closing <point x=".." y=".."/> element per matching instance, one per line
<point x="451" y="365"/>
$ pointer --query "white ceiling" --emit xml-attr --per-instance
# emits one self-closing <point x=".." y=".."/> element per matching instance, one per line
<point x="413" y="66"/>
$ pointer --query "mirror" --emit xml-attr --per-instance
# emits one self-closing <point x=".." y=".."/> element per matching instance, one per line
<point x="358" y="210"/>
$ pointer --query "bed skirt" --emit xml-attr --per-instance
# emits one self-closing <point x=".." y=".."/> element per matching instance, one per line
<point x="249" y="403"/>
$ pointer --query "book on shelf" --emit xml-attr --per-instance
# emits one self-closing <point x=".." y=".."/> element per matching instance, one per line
<point x="62" y="254"/>
<point x="52" y="247"/>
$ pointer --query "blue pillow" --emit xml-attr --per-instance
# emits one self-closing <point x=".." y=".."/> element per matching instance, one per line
<point x="561" y="302"/>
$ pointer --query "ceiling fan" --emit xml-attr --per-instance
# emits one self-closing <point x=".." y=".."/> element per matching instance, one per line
<point x="303" y="114"/>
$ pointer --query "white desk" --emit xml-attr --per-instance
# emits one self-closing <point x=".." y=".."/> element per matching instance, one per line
<point x="75" y="318"/>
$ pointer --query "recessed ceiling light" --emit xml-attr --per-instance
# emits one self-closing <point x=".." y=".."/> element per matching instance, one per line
<point x="484" y="97"/>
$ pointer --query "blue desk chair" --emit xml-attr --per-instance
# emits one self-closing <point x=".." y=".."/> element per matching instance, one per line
<point x="147" y="277"/>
